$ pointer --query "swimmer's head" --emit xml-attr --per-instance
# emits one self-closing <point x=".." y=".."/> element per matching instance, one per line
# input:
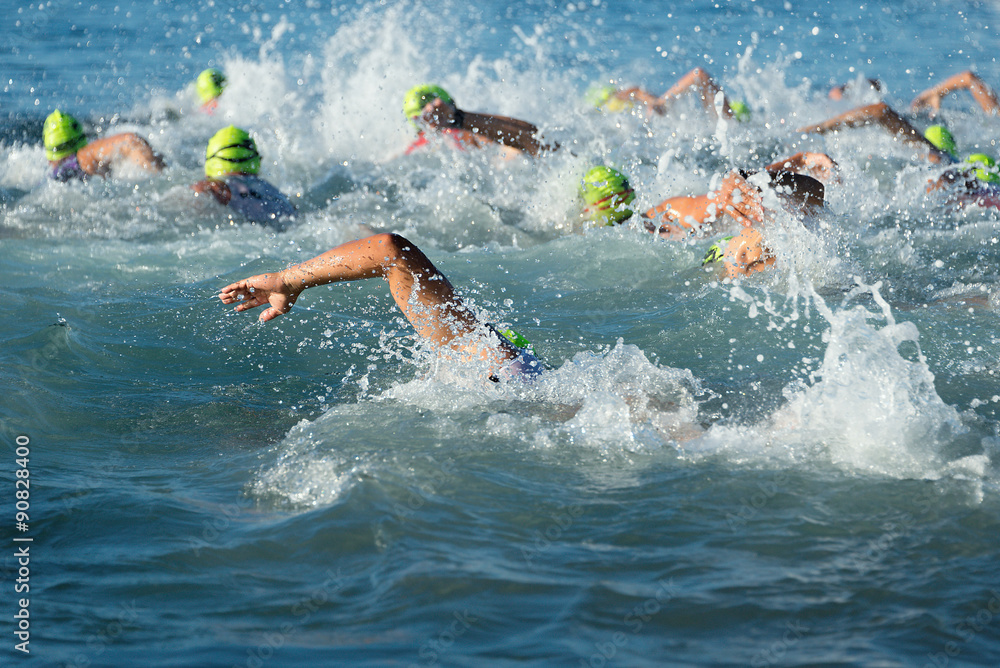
<point x="598" y="94"/>
<point x="62" y="136"/>
<point x="606" y="194"/>
<point x="419" y="97"/>
<point x="941" y="138"/>
<point x="741" y="112"/>
<point x="716" y="251"/>
<point x="231" y="151"/>
<point x="985" y="167"/>
<point x="210" y="84"/>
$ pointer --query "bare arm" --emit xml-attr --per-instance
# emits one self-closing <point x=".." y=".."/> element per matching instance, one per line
<point x="215" y="187"/>
<point x="421" y="292"/>
<point x="983" y="94"/>
<point x="699" y="82"/>
<point x="636" y="94"/>
<point x="504" y="130"/>
<point x="880" y="114"/>
<point x="99" y="156"/>
<point x="820" y="166"/>
<point x="687" y="213"/>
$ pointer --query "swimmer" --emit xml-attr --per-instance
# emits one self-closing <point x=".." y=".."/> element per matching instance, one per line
<point x="231" y="165"/>
<point x="697" y="81"/>
<point x="973" y="181"/>
<point x="799" y="180"/>
<point x="930" y="99"/>
<point x="885" y="116"/>
<point x="209" y="86"/>
<point x="937" y="144"/>
<point x="607" y="195"/>
<point x="431" y="107"/>
<point x="71" y="156"/>
<point x="422" y="293"/>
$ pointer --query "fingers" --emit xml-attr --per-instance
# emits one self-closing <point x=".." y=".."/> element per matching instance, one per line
<point x="243" y="294"/>
<point x="745" y="204"/>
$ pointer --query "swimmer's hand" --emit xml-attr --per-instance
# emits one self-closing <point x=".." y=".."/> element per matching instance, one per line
<point x="929" y="99"/>
<point x="746" y="254"/>
<point x="259" y="290"/>
<point x="440" y="114"/>
<point x="740" y="200"/>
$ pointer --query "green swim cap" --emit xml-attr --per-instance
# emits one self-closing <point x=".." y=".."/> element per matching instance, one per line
<point x="210" y="84"/>
<point x="598" y="94"/>
<point x="231" y="151"/>
<point x="941" y="138"/>
<point x="741" y="112"/>
<point x="62" y="136"/>
<point x="985" y="167"/>
<point x="419" y="97"/>
<point x="515" y="338"/>
<point x="606" y="192"/>
<point x="716" y="251"/>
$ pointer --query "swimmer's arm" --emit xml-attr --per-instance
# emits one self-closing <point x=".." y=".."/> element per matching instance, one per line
<point x="98" y="157"/>
<point x="983" y="94"/>
<point x="421" y="292"/>
<point x="218" y="189"/>
<point x="511" y="132"/>
<point x="636" y="94"/>
<point x="682" y="215"/>
<point x="820" y="166"/>
<point x="880" y="114"/>
<point x="954" y="177"/>
<point x="701" y="82"/>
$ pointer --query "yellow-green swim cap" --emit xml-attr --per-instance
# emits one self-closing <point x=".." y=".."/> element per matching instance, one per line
<point x="716" y="251"/>
<point x="741" y="112"/>
<point x="607" y="193"/>
<point x="210" y="84"/>
<point x="420" y="96"/>
<point x="62" y="136"/>
<point x="231" y="151"/>
<point x="941" y="138"/>
<point x="986" y="167"/>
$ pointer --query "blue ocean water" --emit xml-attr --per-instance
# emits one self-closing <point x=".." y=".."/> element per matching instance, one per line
<point x="800" y="468"/>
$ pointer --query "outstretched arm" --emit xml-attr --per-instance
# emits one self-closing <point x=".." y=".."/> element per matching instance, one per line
<point x="636" y="94"/>
<point x="984" y="95"/>
<point x="701" y="84"/>
<point x="880" y="114"/>
<point x="820" y="166"/>
<point x="99" y="156"/>
<point x="504" y="130"/>
<point x="421" y="292"/>
<point x="686" y="214"/>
